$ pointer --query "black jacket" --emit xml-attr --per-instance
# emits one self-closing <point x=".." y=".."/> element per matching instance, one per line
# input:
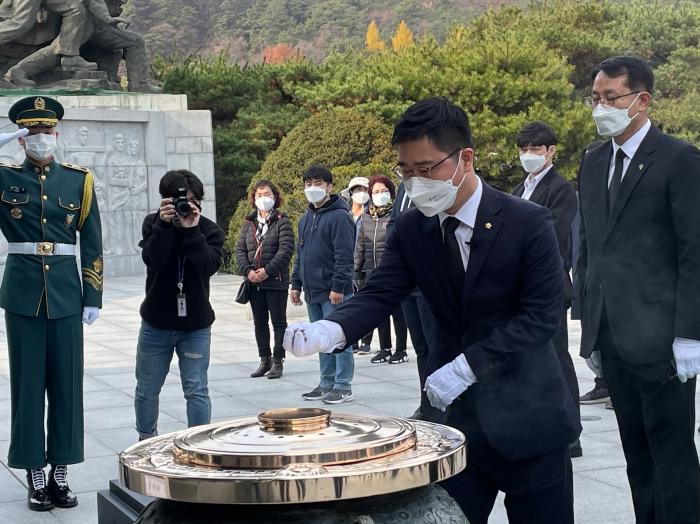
<point x="275" y="252"/>
<point x="558" y="195"/>
<point x="502" y="319"/>
<point x="165" y="247"/>
<point x="642" y="264"/>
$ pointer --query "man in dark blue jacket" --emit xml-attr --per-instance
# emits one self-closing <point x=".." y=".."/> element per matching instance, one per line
<point x="496" y="289"/>
<point x="323" y="269"/>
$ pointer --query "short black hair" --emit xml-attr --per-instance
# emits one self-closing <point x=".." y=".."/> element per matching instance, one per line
<point x="536" y="134"/>
<point x="317" y="172"/>
<point x="445" y="124"/>
<point x="177" y="178"/>
<point x="640" y="76"/>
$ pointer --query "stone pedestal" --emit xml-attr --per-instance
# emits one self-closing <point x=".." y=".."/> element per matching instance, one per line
<point x="129" y="141"/>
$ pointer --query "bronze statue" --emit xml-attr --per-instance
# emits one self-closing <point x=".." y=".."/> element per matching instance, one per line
<point x="70" y="44"/>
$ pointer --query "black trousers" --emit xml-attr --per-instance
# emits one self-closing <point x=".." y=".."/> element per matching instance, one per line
<point x="269" y="304"/>
<point x="384" y="331"/>
<point x="561" y="347"/>
<point x="656" y="417"/>
<point x="421" y="325"/>
<point x="538" y="490"/>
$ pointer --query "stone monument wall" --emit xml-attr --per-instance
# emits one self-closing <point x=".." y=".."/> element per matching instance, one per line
<point x="128" y="141"/>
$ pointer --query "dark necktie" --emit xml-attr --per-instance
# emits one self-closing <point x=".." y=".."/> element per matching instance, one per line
<point x="455" y="266"/>
<point x="616" y="181"/>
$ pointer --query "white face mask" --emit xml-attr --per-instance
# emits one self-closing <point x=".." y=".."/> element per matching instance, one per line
<point x="433" y="196"/>
<point x="611" y="121"/>
<point x="315" y="194"/>
<point x="40" y="146"/>
<point x="381" y="199"/>
<point x="264" y="203"/>
<point x="360" y="197"/>
<point x="533" y="163"/>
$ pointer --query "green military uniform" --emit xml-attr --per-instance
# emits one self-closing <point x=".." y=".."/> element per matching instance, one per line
<point x="43" y="209"/>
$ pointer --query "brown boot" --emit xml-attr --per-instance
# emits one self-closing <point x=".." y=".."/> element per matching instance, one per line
<point x="263" y="368"/>
<point x="277" y="368"/>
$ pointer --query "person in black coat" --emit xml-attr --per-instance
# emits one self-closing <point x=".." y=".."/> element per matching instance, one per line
<point x="263" y="253"/>
<point x="537" y="143"/>
<point x="639" y="272"/>
<point x="496" y="290"/>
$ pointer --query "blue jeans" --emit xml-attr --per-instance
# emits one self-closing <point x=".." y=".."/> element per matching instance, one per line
<point x="337" y="369"/>
<point x="153" y="355"/>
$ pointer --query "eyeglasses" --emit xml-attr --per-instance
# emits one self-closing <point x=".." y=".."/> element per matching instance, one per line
<point x="608" y="101"/>
<point x="421" y="172"/>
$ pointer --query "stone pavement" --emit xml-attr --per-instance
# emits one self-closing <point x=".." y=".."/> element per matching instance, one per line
<point x="601" y="491"/>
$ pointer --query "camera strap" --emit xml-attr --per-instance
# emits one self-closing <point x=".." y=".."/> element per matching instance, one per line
<point x="181" y="298"/>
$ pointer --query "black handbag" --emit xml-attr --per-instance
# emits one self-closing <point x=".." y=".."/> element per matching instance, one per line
<point x="242" y="295"/>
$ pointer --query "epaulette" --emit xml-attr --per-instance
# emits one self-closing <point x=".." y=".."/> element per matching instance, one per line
<point x="77" y="168"/>
<point x="11" y="166"/>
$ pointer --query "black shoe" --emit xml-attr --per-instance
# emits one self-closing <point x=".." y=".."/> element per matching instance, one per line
<point x="575" y="449"/>
<point x="364" y="349"/>
<point x="398" y="357"/>
<point x="38" y="498"/>
<point x="276" y="369"/>
<point x="316" y="394"/>
<point x="264" y="367"/>
<point x="58" y="488"/>
<point x="338" y="396"/>
<point x="382" y="355"/>
<point x="597" y="395"/>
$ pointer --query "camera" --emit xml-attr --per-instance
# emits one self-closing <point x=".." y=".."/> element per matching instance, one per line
<point x="182" y="205"/>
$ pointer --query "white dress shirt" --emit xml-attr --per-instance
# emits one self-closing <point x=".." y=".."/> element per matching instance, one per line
<point x="531" y="182"/>
<point x="467" y="216"/>
<point x="630" y="148"/>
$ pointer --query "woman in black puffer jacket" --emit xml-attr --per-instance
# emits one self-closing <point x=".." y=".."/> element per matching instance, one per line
<point x="263" y="252"/>
<point x="369" y="249"/>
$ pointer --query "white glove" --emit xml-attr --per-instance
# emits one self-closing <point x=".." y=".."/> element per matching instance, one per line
<point x="595" y="363"/>
<point x="90" y="314"/>
<point x="307" y="338"/>
<point x="448" y="382"/>
<point x="6" y="138"/>
<point x="686" y="352"/>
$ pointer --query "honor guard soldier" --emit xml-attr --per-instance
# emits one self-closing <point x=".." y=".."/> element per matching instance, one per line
<point x="44" y="204"/>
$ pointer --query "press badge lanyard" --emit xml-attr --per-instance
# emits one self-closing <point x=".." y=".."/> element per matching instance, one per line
<point x="181" y="299"/>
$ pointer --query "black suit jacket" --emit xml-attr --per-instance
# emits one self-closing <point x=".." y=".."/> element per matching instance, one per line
<point x="502" y="319"/>
<point x="642" y="264"/>
<point x="557" y="194"/>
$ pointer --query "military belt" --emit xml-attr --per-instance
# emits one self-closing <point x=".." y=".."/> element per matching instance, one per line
<point x="44" y="249"/>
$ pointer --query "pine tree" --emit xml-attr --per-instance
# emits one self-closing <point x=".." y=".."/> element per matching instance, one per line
<point x="403" y="38"/>
<point x="373" y="40"/>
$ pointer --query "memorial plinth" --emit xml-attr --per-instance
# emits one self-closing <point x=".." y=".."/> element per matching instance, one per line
<point x="128" y="141"/>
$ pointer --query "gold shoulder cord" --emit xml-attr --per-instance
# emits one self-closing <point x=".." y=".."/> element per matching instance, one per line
<point x="87" y="199"/>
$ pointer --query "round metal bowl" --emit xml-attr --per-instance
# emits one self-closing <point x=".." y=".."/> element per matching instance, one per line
<point x="293" y="456"/>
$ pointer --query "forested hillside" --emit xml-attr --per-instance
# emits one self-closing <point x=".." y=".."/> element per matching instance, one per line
<point x="312" y="27"/>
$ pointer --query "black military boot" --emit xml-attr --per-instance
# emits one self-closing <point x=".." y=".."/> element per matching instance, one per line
<point x="58" y="488"/>
<point x="264" y="367"/>
<point x="277" y="368"/>
<point x="38" y="498"/>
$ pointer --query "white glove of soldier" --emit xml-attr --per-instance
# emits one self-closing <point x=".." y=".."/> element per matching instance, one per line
<point x="90" y="314"/>
<point x="448" y="382"/>
<point x="6" y="138"/>
<point x="306" y="338"/>
<point x="686" y="353"/>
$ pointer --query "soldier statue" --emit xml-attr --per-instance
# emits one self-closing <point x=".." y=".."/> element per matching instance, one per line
<point x="44" y="205"/>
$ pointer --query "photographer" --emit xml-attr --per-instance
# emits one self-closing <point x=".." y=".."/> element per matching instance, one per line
<point x="182" y="250"/>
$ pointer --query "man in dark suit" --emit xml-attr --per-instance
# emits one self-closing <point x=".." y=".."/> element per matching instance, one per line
<point x="496" y="290"/>
<point x="544" y="186"/>
<point x="639" y="267"/>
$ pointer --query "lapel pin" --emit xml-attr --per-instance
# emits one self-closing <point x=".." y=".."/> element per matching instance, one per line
<point x="488" y="225"/>
<point x="641" y="166"/>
